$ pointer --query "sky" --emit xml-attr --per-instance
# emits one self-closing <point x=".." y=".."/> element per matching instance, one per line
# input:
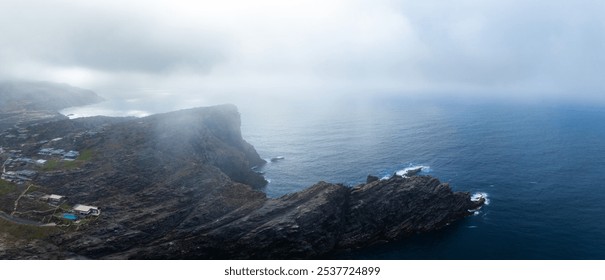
<point x="207" y="51"/>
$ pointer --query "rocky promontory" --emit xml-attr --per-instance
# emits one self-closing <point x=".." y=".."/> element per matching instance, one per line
<point x="180" y="185"/>
<point x="323" y="219"/>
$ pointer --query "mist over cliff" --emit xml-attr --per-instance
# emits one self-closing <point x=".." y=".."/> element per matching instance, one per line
<point x="182" y="185"/>
<point x="37" y="95"/>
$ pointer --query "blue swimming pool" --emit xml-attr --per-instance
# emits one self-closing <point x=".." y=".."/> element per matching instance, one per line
<point x="69" y="216"/>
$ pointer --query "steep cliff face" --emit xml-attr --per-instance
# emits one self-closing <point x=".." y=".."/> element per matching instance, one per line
<point x="180" y="185"/>
<point x="213" y="135"/>
<point x="153" y="175"/>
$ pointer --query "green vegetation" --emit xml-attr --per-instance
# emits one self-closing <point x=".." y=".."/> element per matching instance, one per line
<point x="65" y="207"/>
<point x="70" y="164"/>
<point x="6" y="187"/>
<point x="57" y="164"/>
<point x="25" y="231"/>
<point x="50" y="165"/>
<point x="86" y="155"/>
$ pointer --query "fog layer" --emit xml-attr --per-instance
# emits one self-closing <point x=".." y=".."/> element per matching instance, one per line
<point x="201" y="52"/>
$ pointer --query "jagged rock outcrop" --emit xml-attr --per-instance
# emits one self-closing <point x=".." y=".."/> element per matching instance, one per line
<point x="320" y="220"/>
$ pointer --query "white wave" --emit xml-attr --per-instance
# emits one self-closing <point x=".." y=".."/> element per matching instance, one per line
<point x="477" y="196"/>
<point x="402" y="172"/>
<point x="277" y="158"/>
<point x="423" y="168"/>
<point x="471" y="227"/>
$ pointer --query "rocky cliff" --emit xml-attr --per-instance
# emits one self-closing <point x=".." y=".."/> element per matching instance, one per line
<point x="320" y="220"/>
<point x="179" y="185"/>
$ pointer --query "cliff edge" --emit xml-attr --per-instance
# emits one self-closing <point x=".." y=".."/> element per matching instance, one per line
<point x="180" y="185"/>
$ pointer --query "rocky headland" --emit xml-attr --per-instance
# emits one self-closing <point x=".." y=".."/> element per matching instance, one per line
<point x="181" y="185"/>
<point x="29" y="102"/>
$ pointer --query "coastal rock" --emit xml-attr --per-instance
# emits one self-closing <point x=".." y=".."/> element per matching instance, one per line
<point x="323" y="219"/>
<point x="371" y="179"/>
<point x="181" y="185"/>
<point x="412" y="172"/>
<point x="394" y="208"/>
<point x="275" y="159"/>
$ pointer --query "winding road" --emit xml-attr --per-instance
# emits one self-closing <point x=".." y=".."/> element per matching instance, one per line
<point x="20" y="221"/>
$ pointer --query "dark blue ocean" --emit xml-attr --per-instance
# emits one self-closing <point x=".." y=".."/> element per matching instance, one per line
<point x="542" y="167"/>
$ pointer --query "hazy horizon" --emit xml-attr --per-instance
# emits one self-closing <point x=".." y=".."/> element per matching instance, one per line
<point x="191" y="53"/>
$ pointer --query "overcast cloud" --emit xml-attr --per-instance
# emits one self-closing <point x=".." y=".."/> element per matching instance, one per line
<point x="203" y="50"/>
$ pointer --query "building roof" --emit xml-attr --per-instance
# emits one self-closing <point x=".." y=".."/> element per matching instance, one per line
<point x="27" y="173"/>
<point x="55" y="196"/>
<point x="84" y="208"/>
<point x="71" y="154"/>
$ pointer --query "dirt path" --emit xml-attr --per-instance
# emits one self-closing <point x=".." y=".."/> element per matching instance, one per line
<point x="18" y="198"/>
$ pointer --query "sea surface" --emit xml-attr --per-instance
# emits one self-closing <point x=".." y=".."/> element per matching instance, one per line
<point x="541" y="166"/>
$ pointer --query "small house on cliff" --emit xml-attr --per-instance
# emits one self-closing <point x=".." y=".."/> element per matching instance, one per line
<point x="86" y="210"/>
<point x="53" y="198"/>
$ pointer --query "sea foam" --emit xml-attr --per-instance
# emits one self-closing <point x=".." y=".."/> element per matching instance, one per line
<point x="402" y="172"/>
<point x="423" y="168"/>
<point x="477" y="196"/>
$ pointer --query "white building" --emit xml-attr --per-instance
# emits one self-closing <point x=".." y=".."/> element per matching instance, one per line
<point x="86" y="210"/>
<point x="55" y="198"/>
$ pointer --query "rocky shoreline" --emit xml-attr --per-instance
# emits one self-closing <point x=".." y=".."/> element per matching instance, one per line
<point x="319" y="221"/>
<point x="181" y="185"/>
